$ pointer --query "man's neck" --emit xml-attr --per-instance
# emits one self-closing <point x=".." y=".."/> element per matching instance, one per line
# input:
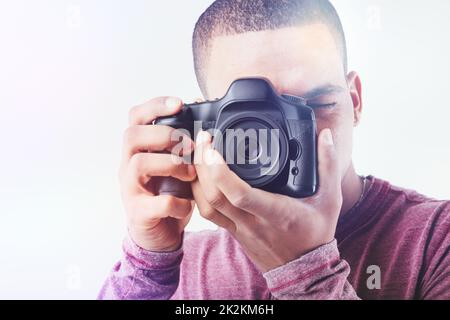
<point x="352" y="188"/>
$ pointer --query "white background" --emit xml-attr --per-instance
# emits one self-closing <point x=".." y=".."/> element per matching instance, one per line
<point x="70" y="70"/>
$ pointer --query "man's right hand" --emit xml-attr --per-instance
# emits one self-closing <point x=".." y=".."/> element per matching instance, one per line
<point x="155" y="222"/>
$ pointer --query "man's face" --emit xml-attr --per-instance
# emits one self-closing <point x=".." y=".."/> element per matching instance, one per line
<point x="301" y="61"/>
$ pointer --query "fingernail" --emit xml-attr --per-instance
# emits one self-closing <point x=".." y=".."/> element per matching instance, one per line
<point x="173" y="103"/>
<point x="202" y="137"/>
<point x="328" y="137"/>
<point x="191" y="171"/>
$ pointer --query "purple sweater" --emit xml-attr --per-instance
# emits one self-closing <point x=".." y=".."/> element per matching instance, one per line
<point x="394" y="245"/>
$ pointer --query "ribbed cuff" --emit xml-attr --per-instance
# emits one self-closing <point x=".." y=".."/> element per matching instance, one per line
<point x="303" y="272"/>
<point x="150" y="260"/>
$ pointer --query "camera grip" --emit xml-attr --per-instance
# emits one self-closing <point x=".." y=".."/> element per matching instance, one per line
<point x="304" y="167"/>
<point x="170" y="185"/>
<point x="174" y="187"/>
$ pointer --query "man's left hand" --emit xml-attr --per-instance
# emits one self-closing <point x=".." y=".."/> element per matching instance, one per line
<point x="272" y="229"/>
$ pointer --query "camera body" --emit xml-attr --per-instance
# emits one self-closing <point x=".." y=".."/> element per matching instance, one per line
<point x="269" y="141"/>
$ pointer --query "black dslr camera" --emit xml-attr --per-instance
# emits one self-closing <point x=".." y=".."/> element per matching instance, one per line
<point x="269" y="141"/>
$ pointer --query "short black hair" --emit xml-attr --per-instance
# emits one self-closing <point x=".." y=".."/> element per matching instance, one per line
<point x="230" y="17"/>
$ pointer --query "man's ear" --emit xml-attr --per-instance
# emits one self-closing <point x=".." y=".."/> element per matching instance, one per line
<point x="354" y="85"/>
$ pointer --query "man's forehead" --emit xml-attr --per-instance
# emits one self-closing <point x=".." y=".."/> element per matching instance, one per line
<point x="295" y="56"/>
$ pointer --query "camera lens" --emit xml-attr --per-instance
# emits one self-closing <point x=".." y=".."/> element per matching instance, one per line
<point x="254" y="147"/>
<point x="249" y="149"/>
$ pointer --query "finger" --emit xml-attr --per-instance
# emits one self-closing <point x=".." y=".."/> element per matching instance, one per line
<point x="184" y="221"/>
<point x="147" y="112"/>
<point x="207" y="169"/>
<point x="254" y="201"/>
<point x="329" y="177"/>
<point x="143" y="166"/>
<point x="151" y="138"/>
<point x="160" y="207"/>
<point x="208" y="212"/>
<point x="237" y="192"/>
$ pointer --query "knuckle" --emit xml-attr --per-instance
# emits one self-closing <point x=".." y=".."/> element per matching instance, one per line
<point x="128" y="184"/>
<point x="208" y="213"/>
<point x="129" y="135"/>
<point x="216" y="199"/>
<point x="133" y="212"/>
<point x="132" y="113"/>
<point x="288" y="225"/>
<point x="168" y="203"/>
<point x="241" y="201"/>
<point x="137" y="165"/>
<point x="132" y="219"/>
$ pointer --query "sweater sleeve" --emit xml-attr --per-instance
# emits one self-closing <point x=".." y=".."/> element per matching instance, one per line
<point x="319" y="275"/>
<point x="435" y="284"/>
<point x="143" y="275"/>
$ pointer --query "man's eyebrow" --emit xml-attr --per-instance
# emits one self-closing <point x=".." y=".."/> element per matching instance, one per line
<point x="322" y="90"/>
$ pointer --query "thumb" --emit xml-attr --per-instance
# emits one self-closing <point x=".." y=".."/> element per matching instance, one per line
<point x="329" y="176"/>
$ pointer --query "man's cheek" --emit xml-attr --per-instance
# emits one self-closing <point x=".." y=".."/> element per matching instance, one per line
<point x="344" y="145"/>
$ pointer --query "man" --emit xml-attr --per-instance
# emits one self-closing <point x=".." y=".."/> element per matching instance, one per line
<point x="357" y="238"/>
